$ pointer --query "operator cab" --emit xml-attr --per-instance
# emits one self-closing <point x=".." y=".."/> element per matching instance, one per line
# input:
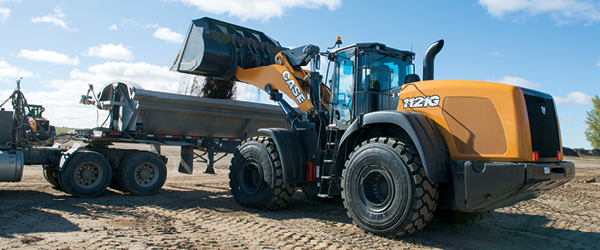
<point x="367" y="78"/>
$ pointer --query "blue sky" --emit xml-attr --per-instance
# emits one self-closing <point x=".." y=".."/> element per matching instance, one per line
<point x="58" y="47"/>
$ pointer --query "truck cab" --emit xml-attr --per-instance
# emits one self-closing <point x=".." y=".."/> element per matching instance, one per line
<point x="367" y="78"/>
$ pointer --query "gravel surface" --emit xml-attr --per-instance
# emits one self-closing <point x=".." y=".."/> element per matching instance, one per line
<point x="198" y="212"/>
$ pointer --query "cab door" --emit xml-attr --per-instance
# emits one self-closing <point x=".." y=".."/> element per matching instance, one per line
<point x="343" y="88"/>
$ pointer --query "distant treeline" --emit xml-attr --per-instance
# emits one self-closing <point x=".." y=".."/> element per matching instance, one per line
<point x="580" y="152"/>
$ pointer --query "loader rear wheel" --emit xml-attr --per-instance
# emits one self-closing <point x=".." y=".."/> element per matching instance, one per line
<point x="51" y="176"/>
<point x="87" y="174"/>
<point x="256" y="177"/>
<point x="142" y="173"/>
<point x="385" y="189"/>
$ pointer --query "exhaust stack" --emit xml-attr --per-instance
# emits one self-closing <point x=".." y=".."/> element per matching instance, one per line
<point x="215" y="48"/>
<point x="433" y="50"/>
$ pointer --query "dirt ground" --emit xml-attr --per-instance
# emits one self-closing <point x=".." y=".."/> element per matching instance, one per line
<point x="197" y="212"/>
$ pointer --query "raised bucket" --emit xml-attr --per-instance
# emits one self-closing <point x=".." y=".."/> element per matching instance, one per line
<point x="215" y="48"/>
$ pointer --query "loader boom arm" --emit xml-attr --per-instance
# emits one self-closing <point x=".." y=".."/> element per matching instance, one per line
<point x="285" y="78"/>
<point x="218" y="49"/>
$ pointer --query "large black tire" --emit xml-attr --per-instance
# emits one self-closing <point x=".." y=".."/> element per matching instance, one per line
<point x="87" y="174"/>
<point x="461" y="218"/>
<point x="256" y="177"/>
<point x="385" y="189"/>
<point x="51" y="177"/>
<point x="142" y="173"/>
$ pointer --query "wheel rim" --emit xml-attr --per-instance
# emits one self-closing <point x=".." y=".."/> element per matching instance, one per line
<point x="376" y="189"/>
<point x="88" y="174"/>
<point x="146" y="174"/>
<point x="251" y="177"/>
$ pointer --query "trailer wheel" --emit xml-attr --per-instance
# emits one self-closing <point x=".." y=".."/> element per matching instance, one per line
<point x="142" y="173"/>
<point x="51" y="176"/>
<point x="87" y="174"/>
<point x="256" y="177"/>
<point x="385" y="189"/>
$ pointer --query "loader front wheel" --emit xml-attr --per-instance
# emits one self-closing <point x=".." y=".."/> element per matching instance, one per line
<point x="87" y="174"/>
<point x="385" y="189"/>
<point x="256" y="177"/>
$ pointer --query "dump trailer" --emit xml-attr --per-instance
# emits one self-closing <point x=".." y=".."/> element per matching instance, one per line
<point x="135" y="116"/>
<point x="398" y="149"/>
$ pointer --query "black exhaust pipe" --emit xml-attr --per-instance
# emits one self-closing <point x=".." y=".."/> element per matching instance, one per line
<point x="433" y="50"/>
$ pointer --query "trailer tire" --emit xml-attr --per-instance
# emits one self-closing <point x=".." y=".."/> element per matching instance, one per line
<point x="51" y="177"/>
<point x="256" y="176"/>
<point x="87" y="174"/>
<point x="142" y="173"/>
<point x="385" y="189"/>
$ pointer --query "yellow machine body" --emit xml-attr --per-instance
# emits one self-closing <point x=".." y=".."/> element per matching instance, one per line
<point x="478" y="120"/>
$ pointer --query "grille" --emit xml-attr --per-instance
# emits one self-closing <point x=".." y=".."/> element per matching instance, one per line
<point x="543" y="124"/>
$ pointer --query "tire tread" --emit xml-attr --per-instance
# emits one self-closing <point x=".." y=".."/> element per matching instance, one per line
<point x="425" y="192"/>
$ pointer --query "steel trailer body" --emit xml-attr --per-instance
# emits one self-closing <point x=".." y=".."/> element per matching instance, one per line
<point x="141" y="117"/>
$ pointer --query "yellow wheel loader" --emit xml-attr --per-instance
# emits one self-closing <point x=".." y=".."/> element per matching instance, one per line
<point x="397" y="148"/>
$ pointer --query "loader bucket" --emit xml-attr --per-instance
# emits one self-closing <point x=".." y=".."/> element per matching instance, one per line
<point x="214" y="48"/>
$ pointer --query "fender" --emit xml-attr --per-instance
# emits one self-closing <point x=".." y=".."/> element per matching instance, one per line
<point x="64" y="159"/>
<point x="427" y="139"/>
<point x="291" y="153"/>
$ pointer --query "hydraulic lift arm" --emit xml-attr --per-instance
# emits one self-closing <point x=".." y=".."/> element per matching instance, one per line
<point x="241" y="54"/>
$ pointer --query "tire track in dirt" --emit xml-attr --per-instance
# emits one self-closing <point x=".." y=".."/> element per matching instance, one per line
<point x="198" y="212"/>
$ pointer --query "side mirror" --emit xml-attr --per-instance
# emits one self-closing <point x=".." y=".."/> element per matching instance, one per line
<point x="412" y="78"/>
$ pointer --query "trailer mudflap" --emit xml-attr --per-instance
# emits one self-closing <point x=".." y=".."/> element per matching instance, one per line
<point x="480" y="186"/>
<point x="67" y="155"/>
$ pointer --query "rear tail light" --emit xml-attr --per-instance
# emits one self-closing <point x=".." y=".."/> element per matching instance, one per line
<point x="559" y="156"/>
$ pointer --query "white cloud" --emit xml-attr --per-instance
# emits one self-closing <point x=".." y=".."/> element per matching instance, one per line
<point x="567" y="119"/>
<point x="574" y="98"/>
<point x="516" y="81"/>
<point x="258" y="9"/>
<point x="561" y="11"/>
<point x="61" y="97"/>
<point x="168" y="35"/>
<point x="112" y="27"/>
<point x="150" y="76"/>
<point x="110" y="51"/>
<point x="56" y="19"/>
<point x="10" y="73"/>
<point x="496" y="54"/>
<point x="4" y="14"/>
<point x="48" y="56"/>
